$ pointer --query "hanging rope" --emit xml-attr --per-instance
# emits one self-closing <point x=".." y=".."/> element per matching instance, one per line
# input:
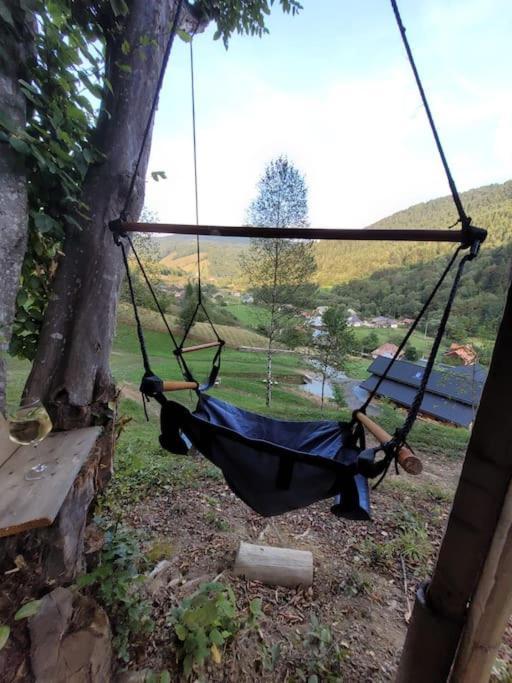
<point x="168" y="48"/>
<point x="411" y="330"/>
<point x="196" y="187"/>
<point x="463" y="218"/>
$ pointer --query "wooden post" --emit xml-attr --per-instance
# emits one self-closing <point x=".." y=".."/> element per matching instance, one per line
<point x="490" y="608"/>
<point x="440" y="610"/>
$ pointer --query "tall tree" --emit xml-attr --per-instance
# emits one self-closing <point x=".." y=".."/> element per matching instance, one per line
<point x="91" y="165"/>
<point x="333" y="344"/>
<point x="279" y="270"/>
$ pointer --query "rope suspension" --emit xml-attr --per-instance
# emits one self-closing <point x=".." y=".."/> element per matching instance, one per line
<point x="395" y="448"/>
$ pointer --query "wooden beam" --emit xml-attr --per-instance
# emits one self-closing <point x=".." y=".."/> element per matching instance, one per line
<point x="274" y="566"/>
<point x="406" y="458"/>
<point x="365" y="234"/>
<point x="490" y="608"/>
<point x="440" y="610"/>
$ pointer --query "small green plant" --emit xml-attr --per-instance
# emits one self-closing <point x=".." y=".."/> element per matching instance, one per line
<point x="205" y="621"/>
<point x="270" y="656"/>
<point x="216" y="521"/>
<point x="412" y="542"/>
<point x="356" y="584"/>
<point x="324" y="654"/>
<point x="376" y="554"/>
<point x="115" y="581"/>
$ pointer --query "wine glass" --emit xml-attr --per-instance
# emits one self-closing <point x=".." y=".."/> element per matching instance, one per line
<point x="30" y="424"/>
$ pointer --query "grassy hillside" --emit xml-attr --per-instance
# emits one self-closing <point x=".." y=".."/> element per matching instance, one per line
<point x="219" y="258"/>
<point x="201" y="332"/>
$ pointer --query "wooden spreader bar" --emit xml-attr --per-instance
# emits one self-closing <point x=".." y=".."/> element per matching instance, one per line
<point x="199" y="347"/>
<point x="406" y="458"/>
<point x="171" y="385"/>
<point x="466" y="236"/>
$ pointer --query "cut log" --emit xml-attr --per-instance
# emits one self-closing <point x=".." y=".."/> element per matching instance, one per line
<point x="274" y="566"/>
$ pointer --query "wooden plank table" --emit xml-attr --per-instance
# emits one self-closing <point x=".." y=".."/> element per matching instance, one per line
<point x="27" y="503"/>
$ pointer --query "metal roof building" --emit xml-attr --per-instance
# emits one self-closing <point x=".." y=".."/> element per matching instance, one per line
<point x="452" y="393"/>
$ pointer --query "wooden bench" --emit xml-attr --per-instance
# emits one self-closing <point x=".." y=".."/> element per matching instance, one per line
<point x="34" y="503"/>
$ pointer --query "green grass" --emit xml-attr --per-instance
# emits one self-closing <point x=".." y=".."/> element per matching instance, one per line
<point x="356" y="368"/>
<point x="431" y="437"/>
<point x="249" y="315"/>
<point x="242" y="383"/>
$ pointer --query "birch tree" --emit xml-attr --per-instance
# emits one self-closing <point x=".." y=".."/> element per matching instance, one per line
<point x="279" y="271"/>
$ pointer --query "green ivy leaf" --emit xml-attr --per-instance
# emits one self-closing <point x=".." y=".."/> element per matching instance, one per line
<point x="29" y="609"/>
<point x="125" y="47"/>
<point x="185" y="37"/>
<point x="4" y="635"/>
<point x="125" y="68"/>
<point x="19" y="145"/>
<point x="216" y="637"/>
<point x="5" y="14"/>
<point x="45" y="223"/>
<point x="156" y="175"/>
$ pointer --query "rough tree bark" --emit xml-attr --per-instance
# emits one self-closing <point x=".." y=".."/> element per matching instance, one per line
<point x="71" y="370"/>
<point x="13" y="191"/>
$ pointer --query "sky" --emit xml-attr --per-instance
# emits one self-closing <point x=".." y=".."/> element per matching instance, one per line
<point x="332" y="90"/>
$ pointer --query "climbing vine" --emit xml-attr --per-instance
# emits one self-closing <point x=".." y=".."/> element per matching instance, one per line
<point x="63" y="86"/>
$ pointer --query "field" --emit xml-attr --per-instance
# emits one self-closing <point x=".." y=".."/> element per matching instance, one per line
<point x="178" y="510"/>
<point x="418" y="340"/>
<point x="249" y="315"/>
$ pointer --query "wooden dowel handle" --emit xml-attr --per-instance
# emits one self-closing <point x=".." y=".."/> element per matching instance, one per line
<point x="171" y="385"/>
<point x="198" y="347"/>
<point x="406" y="458"/>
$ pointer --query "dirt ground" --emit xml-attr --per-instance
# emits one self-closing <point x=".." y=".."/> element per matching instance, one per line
<point x="365" y="576"/>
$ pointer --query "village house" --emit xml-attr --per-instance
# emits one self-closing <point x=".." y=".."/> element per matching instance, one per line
<point x="386" y="350"/>
<point x="464" y="352"/>
<point x="354" y="320"/>
<point x="383" y="321"/>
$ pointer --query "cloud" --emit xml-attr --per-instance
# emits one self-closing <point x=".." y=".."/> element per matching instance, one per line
<point x="364" y="146"/>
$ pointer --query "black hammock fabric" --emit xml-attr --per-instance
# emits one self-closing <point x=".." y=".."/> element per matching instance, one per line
<point x="274" y="466"/>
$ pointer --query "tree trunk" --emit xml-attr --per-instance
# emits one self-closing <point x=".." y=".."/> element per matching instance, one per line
<point x="13" y="192"/>
<point x="71" y="371"/>
<point x="269" y="374"/>
<point x="440" y="610"/>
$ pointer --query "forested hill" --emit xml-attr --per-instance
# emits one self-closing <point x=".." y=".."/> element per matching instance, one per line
<point x="339" y="262"/>
<point x="489" y="206"/>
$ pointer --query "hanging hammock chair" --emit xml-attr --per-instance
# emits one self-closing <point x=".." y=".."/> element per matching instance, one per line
<point x="276" y="466"/>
